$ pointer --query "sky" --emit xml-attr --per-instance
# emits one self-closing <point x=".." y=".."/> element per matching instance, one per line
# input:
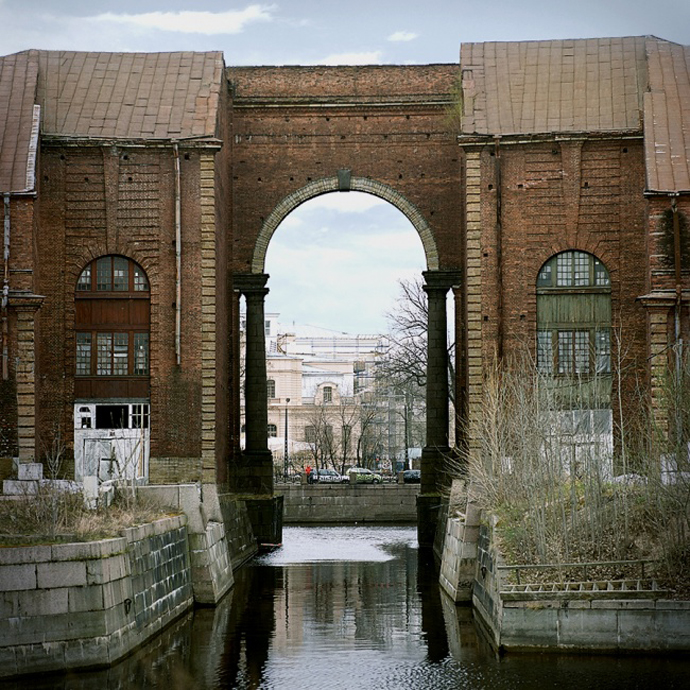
<point x="339" y="243"/>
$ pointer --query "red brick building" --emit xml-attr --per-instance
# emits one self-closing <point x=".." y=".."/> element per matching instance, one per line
<point x="141" y="192"/>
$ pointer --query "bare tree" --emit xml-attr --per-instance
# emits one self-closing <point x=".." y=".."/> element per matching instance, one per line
<point x="403" y="365"/>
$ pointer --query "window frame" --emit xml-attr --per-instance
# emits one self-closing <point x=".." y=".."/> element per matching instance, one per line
<point x="573" y="347"/>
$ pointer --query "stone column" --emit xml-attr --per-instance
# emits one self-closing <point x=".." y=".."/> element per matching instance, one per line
<point x="438" y="283"/>
<point x="254" y="473"/>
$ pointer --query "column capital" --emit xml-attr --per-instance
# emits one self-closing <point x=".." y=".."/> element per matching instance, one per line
<point x="250" y="283"/>
<point x="442" y="280"/>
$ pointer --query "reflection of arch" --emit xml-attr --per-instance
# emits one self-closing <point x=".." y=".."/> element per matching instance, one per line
<point x="344" y="183"/>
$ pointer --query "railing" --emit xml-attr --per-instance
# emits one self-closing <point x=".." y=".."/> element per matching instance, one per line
<point x="568" y="566"/>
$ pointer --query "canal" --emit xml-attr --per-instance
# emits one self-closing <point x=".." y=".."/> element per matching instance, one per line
<point x="344" y="608"/>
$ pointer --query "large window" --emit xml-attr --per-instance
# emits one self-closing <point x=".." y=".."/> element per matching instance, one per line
<point x="574" y="316"/>
<point x="112" y="299"/>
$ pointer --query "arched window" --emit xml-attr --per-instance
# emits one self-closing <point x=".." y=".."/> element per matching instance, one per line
<point x="271" y="388"/>
<point x="272" y="431"/>
<point x="112" y="323"/>
<point x="574" y="316"/>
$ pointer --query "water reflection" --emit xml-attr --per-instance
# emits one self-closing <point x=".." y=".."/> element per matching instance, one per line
<point x="344" y="608"/>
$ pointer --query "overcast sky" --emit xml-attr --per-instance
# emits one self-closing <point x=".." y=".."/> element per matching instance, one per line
<point x="339" y="244"/>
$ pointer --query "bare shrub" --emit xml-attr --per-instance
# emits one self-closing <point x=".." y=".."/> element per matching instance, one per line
<point x="546" y="469"/>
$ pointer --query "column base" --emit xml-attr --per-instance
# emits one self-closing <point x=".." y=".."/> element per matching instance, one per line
<point x="266" y="517"/>
<point x="428" y="506"/>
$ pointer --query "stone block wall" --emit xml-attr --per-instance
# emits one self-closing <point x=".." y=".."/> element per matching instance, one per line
<point x="604" y="620"/>
<point x="322" y="504"/>
<point x="79" y="605"/>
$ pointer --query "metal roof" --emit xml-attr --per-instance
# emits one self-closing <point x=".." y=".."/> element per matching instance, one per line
<point x="667" y="118"/>
<point x="129" y="95"/>
<point x="18" y="122"/>
<point x="564" y="86"/>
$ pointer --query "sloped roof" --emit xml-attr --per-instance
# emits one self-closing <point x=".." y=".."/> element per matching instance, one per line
<point x="533" y="87"/>
<point x="130" y="95"/>
<point x="18" y="122"/>
<point x="667" y="118"/>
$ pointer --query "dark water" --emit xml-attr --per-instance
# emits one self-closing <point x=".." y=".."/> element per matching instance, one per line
<point x="344" y="608"/>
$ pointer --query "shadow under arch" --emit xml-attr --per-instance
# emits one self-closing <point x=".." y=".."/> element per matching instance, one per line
<point x="344" y="182"/>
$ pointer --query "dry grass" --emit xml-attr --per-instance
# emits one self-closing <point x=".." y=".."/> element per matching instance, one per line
<point x="52" y="517"/>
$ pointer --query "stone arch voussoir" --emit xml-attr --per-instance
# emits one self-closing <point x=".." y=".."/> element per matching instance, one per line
<point x="356" y="184"/>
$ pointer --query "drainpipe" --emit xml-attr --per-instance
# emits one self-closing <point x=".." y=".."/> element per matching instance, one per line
<point x="178" y="256"/>
<point x="499" y="246"/>
<point x="6" y="290"/>
<point x="678" y="332"/>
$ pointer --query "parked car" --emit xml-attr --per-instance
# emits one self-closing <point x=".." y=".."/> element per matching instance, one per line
<point x="412" y="476"/>
<point x="364" y="476"/>
<point x="327" y="477"/>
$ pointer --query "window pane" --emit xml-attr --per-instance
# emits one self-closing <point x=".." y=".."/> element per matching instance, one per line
<point x="565" y="352"/>
<point x="545" y="277"/>
<point x="603" y="350"/>
<point x="581" y="352"/>
<point x="544" y="352"/>
<point x="141" y="354"/>
<point x="141" y="284"/>
<point x="272" y="431"/>
<point x="104" y="361"/>
<point x="564" y="269"/>
<point x="120" y="273"/>
<point x="84" y="282"/>
<point x="140" y="416"/>
<point x="104" y="270"/>
<point x="601" y="275"/>
<point x="327" y="394"/>
<point x="581" y="269"/>
<point x="120" y="354"/>
<point x="271" y="388"/>
<point x="83" y="354"/>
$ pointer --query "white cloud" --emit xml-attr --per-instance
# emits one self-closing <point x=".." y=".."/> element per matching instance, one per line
<point x="208" y="23"/>
<point x="372" y="57"/>
<point x="402" y="36"/>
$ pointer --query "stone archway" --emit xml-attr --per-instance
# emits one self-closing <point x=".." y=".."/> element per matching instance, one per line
<point x="257" y="458"/>
<point x="344" y="182"/>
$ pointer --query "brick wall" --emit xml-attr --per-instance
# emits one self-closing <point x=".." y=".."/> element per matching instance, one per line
<point x="552" y="196"/>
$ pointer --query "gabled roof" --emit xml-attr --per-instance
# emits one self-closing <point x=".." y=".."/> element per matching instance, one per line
<point x="18" y="122"/>
<point x="129" y="95"/>
<point x="563" y="86"/>
<point x="667" y="118"/>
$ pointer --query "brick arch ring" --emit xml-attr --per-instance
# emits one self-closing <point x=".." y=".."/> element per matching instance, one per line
<point x="340" y="183"/>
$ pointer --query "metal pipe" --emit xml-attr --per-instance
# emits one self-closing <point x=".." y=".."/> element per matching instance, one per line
<point x="285" y="457"/>
<point x="678" y="332"/>
<point x="6" y="289"/>
<point x="178" y="256"/>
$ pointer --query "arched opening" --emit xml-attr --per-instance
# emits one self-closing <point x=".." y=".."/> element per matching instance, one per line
<point x="334" y="265"/>
<point x="112" y="379"/>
